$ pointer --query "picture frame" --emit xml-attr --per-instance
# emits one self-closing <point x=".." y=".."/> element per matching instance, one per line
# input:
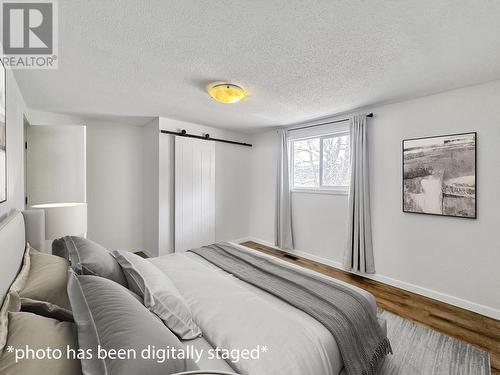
<point x="439" y="175"/>
<point x="3" y="133"/>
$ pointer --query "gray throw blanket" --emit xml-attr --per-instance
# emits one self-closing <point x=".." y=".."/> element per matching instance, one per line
<point x="341" y="309"/>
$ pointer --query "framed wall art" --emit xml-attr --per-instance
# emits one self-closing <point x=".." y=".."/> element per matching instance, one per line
<point x="3" y="134"/>
<point x="439" y="175"/>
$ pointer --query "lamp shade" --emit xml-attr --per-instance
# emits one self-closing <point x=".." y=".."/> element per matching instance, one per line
<point x="64" y="219"/>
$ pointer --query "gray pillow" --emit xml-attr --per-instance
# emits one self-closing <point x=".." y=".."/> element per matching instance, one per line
<point x="89" y="258"/>
<point x="106" y="314"/>
<point x="59" y="248"/>
<point x="159" y="293"/>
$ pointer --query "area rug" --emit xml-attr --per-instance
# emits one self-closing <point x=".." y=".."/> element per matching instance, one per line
<point x="419" y="350"/>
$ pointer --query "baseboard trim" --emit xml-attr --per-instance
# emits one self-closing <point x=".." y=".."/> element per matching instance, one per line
<point x="442" y="297"/>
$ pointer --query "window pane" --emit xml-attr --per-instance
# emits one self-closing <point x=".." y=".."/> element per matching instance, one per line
<point x="306" y="163"/>
<point x="336" y="161"/>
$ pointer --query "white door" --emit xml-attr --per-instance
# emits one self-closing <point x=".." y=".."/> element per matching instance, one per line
<point x="55" y="164"/>
<point x="194" y="193"/>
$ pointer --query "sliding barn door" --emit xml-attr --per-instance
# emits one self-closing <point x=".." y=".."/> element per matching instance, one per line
<point x="194" y="193"/>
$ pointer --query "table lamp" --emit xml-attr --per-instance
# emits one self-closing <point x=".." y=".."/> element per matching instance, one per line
<point x="64" y="219"/>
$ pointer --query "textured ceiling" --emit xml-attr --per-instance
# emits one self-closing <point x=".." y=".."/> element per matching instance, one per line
<point x="298" y="59"/>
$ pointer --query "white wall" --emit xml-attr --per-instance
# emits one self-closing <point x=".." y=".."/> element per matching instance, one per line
<point x="166" y="188"/>
<point x="114" y="178"/>
<point x="37" y="117"/>
<point x="452" y="259"/>
<point x="15" y="148"/>
<point x="232" y="189"/>
<point x="114" y="185"/>
<point x="56" y="154"/>
<point x="264" y="163"/>
<point x="457" y="257"/>
<point x="130" y="181"/>
<point x="320" y="222"/>
<point x="232" y="180"/>
<point x="150" y="179"/>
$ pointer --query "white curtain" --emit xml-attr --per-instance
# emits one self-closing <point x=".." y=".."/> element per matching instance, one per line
<point x="284" y="235"/>
<point x="359" y="250"/>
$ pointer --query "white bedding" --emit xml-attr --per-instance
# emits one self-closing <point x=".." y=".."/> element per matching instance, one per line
<point x="235" y="315"/>
<point x="207" y="363"/>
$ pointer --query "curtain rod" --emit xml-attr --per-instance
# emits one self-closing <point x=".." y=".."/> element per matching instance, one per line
<point x="205" y="137"/>
<point x="325" y="123"/>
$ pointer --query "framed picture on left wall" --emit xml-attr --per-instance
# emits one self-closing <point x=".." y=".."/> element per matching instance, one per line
<point x="3" y="135"/>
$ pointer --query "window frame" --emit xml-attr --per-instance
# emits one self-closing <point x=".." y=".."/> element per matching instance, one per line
<point x="321" y="189"/>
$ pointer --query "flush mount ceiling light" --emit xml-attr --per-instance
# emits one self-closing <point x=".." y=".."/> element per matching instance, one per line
<point x="227" y="93"/>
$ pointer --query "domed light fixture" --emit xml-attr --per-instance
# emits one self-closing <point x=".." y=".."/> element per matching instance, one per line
<point x="227" y="93"/>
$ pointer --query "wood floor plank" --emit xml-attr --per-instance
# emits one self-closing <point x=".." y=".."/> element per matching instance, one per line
<point x="462" y="324"/>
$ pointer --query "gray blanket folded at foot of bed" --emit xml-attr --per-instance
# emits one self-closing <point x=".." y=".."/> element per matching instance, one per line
<point x="341" y="309"/>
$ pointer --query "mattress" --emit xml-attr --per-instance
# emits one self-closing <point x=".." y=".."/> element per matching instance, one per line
<point x="235" y="315"/>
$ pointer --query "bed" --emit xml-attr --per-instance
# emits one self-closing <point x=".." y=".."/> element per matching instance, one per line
<point x="15" y="230"/>
<point x="223" y="305"/>
<point x="232" y="314"/>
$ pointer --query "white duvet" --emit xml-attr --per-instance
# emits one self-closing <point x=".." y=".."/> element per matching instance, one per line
<point x="235" y="315"/>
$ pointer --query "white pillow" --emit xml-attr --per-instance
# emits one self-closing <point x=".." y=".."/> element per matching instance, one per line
<point x="159" y="294"/>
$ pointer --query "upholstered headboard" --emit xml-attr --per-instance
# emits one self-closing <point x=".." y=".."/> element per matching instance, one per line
<point x="15" y="230"/>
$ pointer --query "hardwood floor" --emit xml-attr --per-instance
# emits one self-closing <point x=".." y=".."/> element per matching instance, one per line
<point x="453" y="321"/>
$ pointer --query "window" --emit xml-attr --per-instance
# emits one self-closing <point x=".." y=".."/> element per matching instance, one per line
<point x="321" y="163"/>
